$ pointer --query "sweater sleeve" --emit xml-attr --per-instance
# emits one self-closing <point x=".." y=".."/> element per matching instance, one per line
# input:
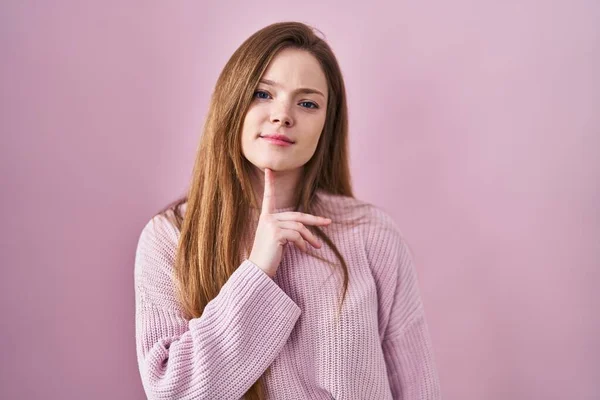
<point x="221" y="353"/>
<point x="406" y="342"/>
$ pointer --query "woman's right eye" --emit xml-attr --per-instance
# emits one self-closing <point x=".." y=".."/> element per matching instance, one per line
<point x="259" y="93"/>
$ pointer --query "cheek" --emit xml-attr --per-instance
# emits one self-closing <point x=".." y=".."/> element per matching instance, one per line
<point x="315" y="132"/>
<point x="250" y="126"/>
<point x="311" y="140"/>
<point x="251" y="119"/>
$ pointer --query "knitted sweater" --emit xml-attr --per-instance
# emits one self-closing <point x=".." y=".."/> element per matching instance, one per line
<point x="378" y="347"/>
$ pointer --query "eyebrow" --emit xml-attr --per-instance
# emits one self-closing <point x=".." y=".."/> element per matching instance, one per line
<point x="299" y="90"/>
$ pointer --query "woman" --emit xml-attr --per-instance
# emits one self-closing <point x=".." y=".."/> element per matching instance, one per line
<point x="269" y="279"/>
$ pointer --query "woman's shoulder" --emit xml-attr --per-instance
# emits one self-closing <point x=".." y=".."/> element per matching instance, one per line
<point x="348" y="209"/>
<point x="160" y="228"/>
<point x="373" y="226"/>
<point x="155" y="260"/>
<point x="159" y="238"/>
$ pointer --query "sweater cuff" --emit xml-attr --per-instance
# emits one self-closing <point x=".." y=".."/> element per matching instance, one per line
<point x="250" y="277"/>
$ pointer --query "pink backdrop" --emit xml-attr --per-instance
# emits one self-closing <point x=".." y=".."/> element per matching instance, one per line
<point x="476" y="124"/>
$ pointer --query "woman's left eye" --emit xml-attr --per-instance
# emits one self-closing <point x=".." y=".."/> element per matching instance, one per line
<point x="311" y="104"/>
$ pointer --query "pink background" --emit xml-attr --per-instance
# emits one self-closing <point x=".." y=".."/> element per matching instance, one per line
<point x="476" y="124"/>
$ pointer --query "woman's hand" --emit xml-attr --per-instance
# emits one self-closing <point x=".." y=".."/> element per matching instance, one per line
<point x="275" y="230"/>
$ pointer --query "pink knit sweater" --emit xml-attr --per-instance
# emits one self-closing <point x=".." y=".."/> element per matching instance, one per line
<point x="379" y="347"/>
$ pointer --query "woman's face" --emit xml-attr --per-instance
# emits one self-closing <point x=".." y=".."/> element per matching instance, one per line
<point x="290" y="100"/>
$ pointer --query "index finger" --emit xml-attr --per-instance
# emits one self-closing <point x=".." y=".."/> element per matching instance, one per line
<point x="307" y="219"/>
<point x="268" y="203"/>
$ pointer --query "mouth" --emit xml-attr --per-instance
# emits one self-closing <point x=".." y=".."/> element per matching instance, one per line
<point x="278" y="140"/>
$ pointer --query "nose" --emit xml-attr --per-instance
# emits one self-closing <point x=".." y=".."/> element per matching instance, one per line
<point x="281" y="114"/>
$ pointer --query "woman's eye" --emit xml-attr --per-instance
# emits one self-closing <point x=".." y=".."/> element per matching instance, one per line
<point x="259" y="93"/>
<point x="310" y="104"/>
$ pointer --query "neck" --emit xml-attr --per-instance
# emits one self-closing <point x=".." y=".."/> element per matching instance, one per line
<point x="286" y="185"/>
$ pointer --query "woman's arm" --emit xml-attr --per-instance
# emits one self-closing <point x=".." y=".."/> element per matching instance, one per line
<point x="406" y="342"/>
<point x="223" y="352"/>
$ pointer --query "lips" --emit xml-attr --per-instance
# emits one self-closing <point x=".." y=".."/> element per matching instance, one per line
<point x="277" y="136"/>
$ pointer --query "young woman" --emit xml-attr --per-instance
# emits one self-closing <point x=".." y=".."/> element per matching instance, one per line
<point x="269" y="279"/>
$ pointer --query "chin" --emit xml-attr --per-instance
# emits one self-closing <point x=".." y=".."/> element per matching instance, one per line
<point x="276" y="165"/>
<point x="273" y="164"/>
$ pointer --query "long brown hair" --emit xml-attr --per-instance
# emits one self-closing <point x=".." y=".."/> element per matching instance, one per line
<point x="220" y="195"/>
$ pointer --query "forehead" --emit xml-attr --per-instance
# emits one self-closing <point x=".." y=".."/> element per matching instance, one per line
<point x="293" y="68"/>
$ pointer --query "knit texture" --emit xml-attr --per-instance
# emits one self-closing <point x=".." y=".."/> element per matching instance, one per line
<point x="378" y="347"/>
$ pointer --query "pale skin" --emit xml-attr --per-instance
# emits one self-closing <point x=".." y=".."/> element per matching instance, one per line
<point x="291" y="100"/>
<point x="275" y="230"/>
<point x="281" y="105"/>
